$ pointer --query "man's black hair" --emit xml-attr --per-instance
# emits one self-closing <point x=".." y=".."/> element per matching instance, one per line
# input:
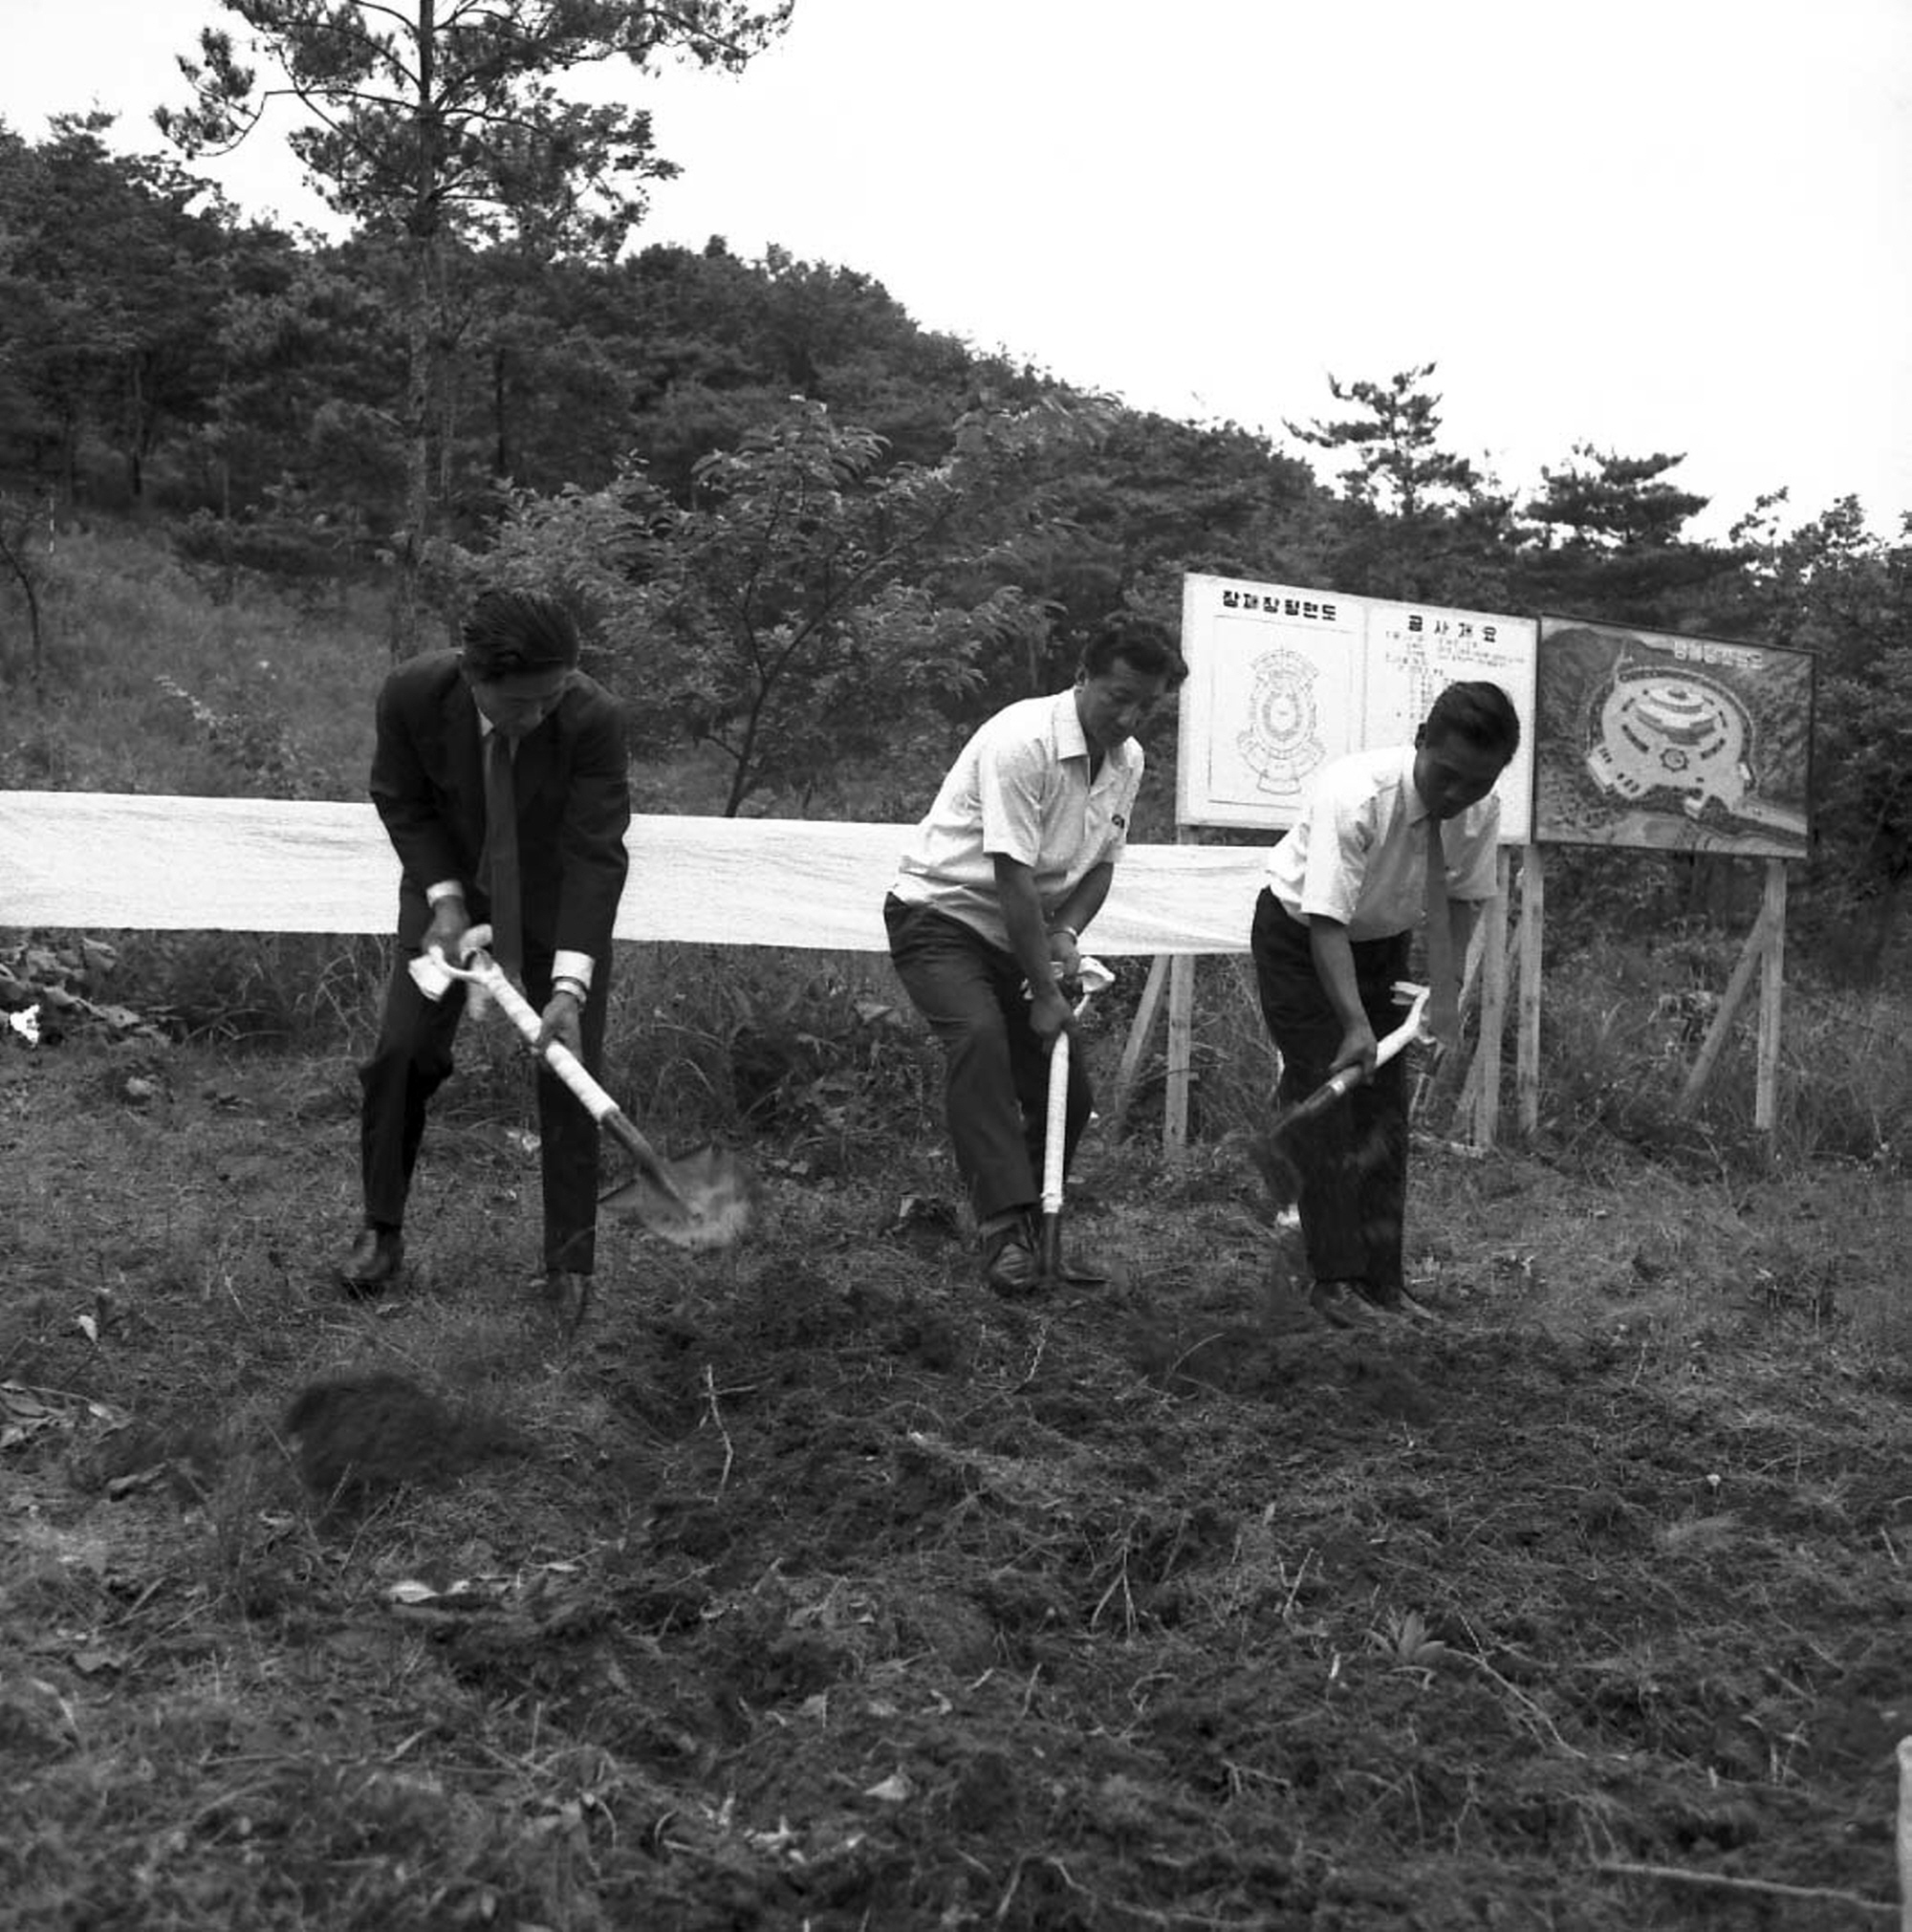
<point x="1478" y="711"/>
<point x="508" y="632"/>
<point x="1138" y="641"/>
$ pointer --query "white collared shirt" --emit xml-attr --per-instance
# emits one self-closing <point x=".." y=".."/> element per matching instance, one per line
<point x="1020" y="789"/>
<point x="1359" y="851"/>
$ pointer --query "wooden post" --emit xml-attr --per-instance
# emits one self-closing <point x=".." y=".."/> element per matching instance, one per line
<point x="1752" y="954"/>
<point x="1137" y="1044"/>
<point x="1493" y="1008"/>
<point x="1468" y="1105"/>
<point x="1771" y="981"/>
<point x="1527" y="1050"/>
<point x="1902" y="1837"/>
<point x="1180" y="1040"/>
<point x="1180" y="1046"/>
<point x="1436" y="1088"/>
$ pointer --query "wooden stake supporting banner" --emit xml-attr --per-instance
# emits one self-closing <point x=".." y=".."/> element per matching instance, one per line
<point x="1180" y="1040"/>
<point x="1527" y="1038"/>
<point x="1180" y="1046"/>
<point x="1137" y="1044"/>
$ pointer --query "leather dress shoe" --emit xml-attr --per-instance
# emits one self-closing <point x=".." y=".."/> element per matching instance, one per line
<point x="1083" y="1271"/>
<point x="1407" y="1304"/>
<point x="1009" y="1263"/>
<point x="373" y="1266"/>
<point x="1347" y="1303"/>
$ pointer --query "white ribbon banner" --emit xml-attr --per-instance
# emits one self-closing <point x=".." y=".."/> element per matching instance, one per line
<point x="97" y="861"/>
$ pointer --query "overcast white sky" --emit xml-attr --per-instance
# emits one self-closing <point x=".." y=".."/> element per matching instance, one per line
<point x="1653" y="225"/>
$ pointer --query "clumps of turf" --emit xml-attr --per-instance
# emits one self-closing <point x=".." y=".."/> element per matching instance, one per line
<point x="359" y="1436"/>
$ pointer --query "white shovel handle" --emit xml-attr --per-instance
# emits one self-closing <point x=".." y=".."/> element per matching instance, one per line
<point x="1056" y="1125"/>
<point x="432" y="974"/>
<point x="1094" y="978"/>
<point x="1411" y="1026"/>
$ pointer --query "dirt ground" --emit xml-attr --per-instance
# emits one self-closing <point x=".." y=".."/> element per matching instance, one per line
<point x="807" y="1585"/>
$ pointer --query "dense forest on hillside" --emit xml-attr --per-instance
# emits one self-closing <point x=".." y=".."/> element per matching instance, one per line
<point x="818" y="540"/>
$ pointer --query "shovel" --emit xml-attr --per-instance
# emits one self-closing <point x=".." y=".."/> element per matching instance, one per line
<point x="1094" y="977"/>
<point x="702" y="1201"/>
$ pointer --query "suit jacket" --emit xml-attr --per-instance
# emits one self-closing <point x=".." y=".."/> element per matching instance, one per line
<point x="573" y="804"/>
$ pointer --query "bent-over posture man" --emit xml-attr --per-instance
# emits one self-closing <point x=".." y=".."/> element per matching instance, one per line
<point x="1387" y="837"/>
<point x="499" y="771"/>
<point x="994" y="893"/>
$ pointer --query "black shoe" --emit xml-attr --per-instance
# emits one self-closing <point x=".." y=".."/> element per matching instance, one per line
<point x="373" y="1266"/>
<point x="1347" y="1303"/>
<point x="1411" y="1308"/>
<point x="1083" y="1273"/>
<point x="1009" y="1263"/>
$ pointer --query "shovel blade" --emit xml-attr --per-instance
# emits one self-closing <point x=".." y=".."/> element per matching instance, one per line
<point x="718" y="1199"/>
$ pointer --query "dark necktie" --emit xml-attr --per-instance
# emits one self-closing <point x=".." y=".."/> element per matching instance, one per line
<point x="501" y="855"/>
<point x="1444" y="993"/>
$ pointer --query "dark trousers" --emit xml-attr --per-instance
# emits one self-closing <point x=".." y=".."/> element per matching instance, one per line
<point x="412" y="1060"/>
<point x="995" y="1089"/>
<point x="1352" y="1160"/>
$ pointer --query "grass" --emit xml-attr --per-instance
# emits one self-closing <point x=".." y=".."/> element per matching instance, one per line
<point x="807" y="1585"/>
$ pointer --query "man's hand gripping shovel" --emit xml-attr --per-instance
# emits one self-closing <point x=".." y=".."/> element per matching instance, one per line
<point x="1093" y="977"/>
<point x="703" y="1201"/>
<point x="1273" y="1163"/>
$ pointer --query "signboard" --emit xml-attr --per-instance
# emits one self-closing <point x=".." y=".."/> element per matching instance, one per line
<point x="1281" y="680"/>
<point x="1670" y="742"/>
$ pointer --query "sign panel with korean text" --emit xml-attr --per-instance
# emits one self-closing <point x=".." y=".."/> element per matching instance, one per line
<point x="1281" y="680"/>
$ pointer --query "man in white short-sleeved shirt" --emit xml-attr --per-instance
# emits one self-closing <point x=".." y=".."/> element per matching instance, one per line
<point x="1002" y="877"/>
<point x="1347" y="885"/>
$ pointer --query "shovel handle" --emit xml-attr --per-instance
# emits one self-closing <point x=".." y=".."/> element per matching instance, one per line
<point x="1332" y="1089"/>
<point x="482" y="970"/>
<point x="1056" y="1126"/>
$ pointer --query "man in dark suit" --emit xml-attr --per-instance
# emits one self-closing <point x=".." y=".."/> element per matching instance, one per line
<point x="500" y="773"/>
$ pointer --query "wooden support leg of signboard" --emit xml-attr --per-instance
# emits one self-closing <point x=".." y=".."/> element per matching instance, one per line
<point x="1493" y="1009"/>
<point x="1439" y="1083"/>
<point x="1467" y="1109"/>
<point x="1772" y="984"/>
<point x="1137" y="1044"/>
<point x="1751" y="955"/>
<point x="1180" y="1045"/>
<point x="1484" y="1076"/>
<point x="1526" y="1035"/>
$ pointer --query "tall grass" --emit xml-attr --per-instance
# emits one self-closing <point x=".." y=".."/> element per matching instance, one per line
<point x="151" y="687"/>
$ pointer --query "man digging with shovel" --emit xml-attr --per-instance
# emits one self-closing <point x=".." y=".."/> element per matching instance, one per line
<point x="499" y="771"/>
<point x="1387" y="837"/>
<point x="988" y="910"/>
